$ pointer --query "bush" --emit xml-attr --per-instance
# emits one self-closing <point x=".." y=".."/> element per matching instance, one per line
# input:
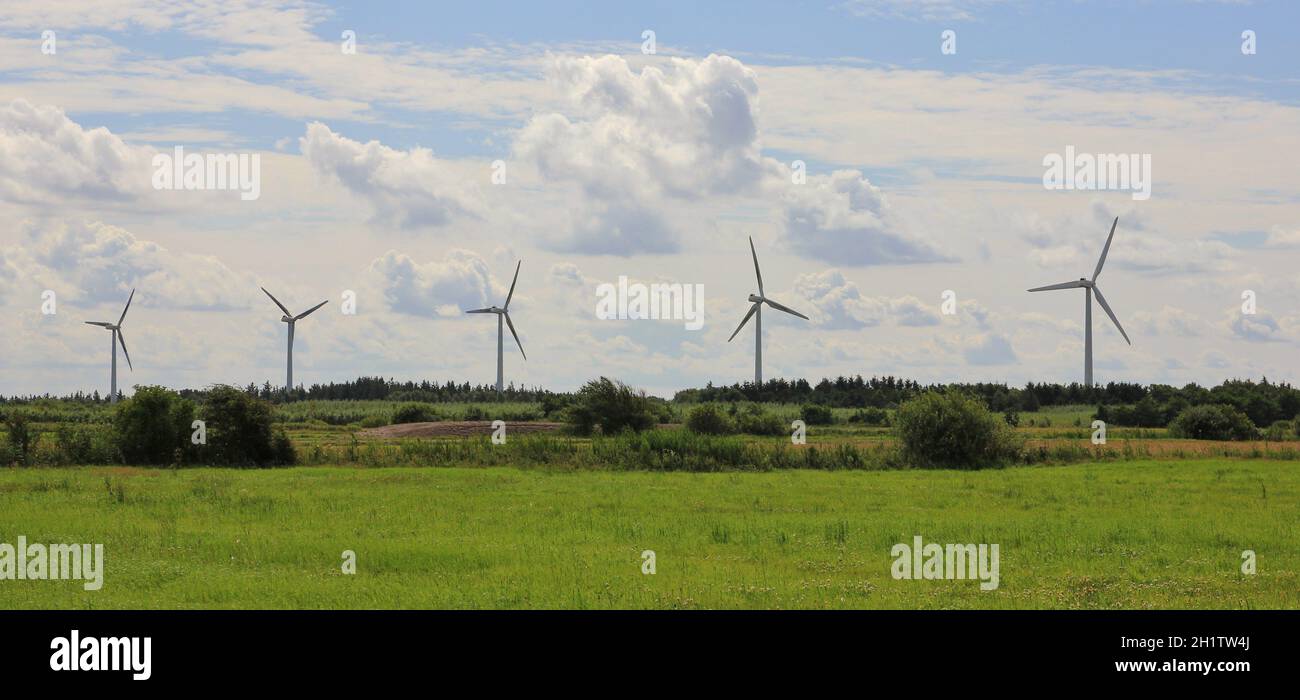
<point x="1012" y="419"/>
<point x="1279" y="431"/>
<point x="953" y="429"/>
<point x="753" y="420"/>
<point x="870" y="416"/>
<point x="611" y="405"/>
<point x="375" y="421"/>
<point x="709" y="419"/>
<point x="152" y="425"/>
<point x="554" y="405"/>
<point x="414" y="413"/>
<point x="1212" y="422"/>
<point x="815" y="414"/>
<point x="240" y="432"/>
<point x="77" y="444"/>
<point x="23" y="436"/>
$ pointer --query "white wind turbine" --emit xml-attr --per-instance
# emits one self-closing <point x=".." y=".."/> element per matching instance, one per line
<point x="1090" y="287"/>
<point x="291" y="320"/>
<point x="503" y="313"/>
<point x="116" y="330"/>
<point x="757" y="311"/>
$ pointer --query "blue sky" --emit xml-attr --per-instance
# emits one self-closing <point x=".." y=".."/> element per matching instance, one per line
<point x="924" y="174"/>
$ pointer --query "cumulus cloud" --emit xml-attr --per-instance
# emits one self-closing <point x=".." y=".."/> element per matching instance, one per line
<point x="46" y="158"/>
<point x="838" y="304"/>
<point x="1168" y="321"/>
<point x="1074" y="242"/>
<point x="407" y="189"/>
<point x="989" y="349"/>
<point x="1258" y="328"/>
<point x="843" y="218"/>
<point x="102" y="263"/>
<point x="1282" y="239"/>
<point x="568" y="274"/>
<point x="634" y="138"/>
<point x="434" y="289"/>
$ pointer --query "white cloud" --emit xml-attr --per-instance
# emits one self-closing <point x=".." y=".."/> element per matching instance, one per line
<point x="46" y="158"/>
<point x="438" y="288"/>
<point x="101" y="263"/>
<point x="1259" y="327"/>
<point x="837" y="304"/>
<point x="1169" y="320"/>
<point x="632" y="139"/>
<point x="844" y="219"/>
<point x="407" y="189"/>
<point x="989" y="349"/>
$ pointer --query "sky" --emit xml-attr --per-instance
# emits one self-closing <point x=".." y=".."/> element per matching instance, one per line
<point x="885" y="156"/>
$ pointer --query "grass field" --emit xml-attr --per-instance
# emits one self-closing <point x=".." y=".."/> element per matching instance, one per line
<point x="1131" y="534"/>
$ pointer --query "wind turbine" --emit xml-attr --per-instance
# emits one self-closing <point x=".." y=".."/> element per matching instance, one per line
<point x="1090" y="287"/>
<point x="291" y="320"/>
<point x="502" y="313"/>
<point x="757" y="311"/>
<point x="116" y="330"/>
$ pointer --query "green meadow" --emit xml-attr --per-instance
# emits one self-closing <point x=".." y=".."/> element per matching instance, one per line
<point x="1123" y="534"/>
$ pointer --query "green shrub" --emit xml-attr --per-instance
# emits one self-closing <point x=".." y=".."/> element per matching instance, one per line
<point x="553" y="405"/>
<point x="953" y="429"/>
<point x="81" y="444"/>
<point x="23" y="436"/>
<point x="870" y="416"/>
<point x="709" y="419"/>
<point x="152" y="425"/>
<point x="1280" y="430"/>
<point x="475" y="413"/>
<point x="754" y="420"/>
<point x="610" y="405"/>
<point x="376" y="421"/>
<point x="414" y="413"/>
<point x="1212" y="422"/>
<point x="815" y="414"/>
<point x="240" y="433"/>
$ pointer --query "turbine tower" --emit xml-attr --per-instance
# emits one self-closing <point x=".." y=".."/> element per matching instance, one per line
<point x="116" y="330"/>
<point x="757" y="311"/>
<point x="1090" y="288"/>
<point x="291" y="320"/>
<point x="503" y="313"/>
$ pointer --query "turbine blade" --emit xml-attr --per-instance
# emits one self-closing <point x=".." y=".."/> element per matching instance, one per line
<point x="512" y="285"/>
<point x="516" y="335"/>
<point x="1102" y="300"/>
<point x="122" y="341"/>
<point x="758" y="273"/>
<point x="1064" y="285"/>
<point x="128" y="305"/>
<point x="104" y="324"/>
<point x="304" y="314"/>
<point x="1102" y="260"/>
<point x="786" y="309"/>
<point x="277" y="302"/>
<point x="479" y="311"/>
<point x="745" y="320"/>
